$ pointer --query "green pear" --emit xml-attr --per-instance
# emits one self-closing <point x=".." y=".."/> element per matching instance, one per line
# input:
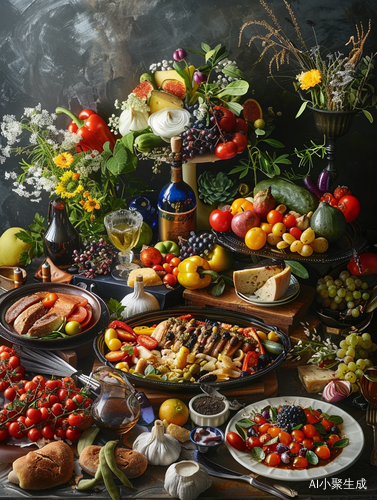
<point x="146" y="235"/>
<point x="11" y="247"/>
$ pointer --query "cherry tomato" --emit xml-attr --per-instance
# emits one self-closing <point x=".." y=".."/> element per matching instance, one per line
<point x="225" y="118"/>
<point x="350" y="206"/>
<point x="289" y="220"/>
<point x="267" y="228"/>
<point x="307" y="443"/>
<point x="309" y="430"/>
<point x="14" y="361"/>
<point x="170" y="280"/>
<point x="242" y="126"/>
<point x="285" y="438"/>
<point x="253" y="441"/>
<point x="34" y="415"/>
<point x="10" y="393"/>
<point x="78" y="399"/>
<point x="241" y="205"/>
<point x="298" y="435"/>
<point x="274" y="431"/>
<point x="14" y="430"/>
<point x="329" y="198"/>
<point x="295" y="447"/>
<point x="62" y="394"/>
<point x="175" y="271"/>
<point x="278" y="229"/>
<point x="51" y="384"/>
<point x="72" y="434"/>
<point x="264" y="428"/>
<point x="296" y="232"/>
<point x="220" y="220"/>
<point x="241" y="140"/>
<point x="57" y="409"/>
<point x="3" y="434"/>
<point x="34" y="435"/>
<point x="125" y="336"/>
<point x="323" y="452"/>
<point x="255" y="238"/>
<point x="333" y="438"/>
<point x="39" y="379"/>
<point x="168" y="257"/>
<point x="368" y="264"/>
<point x="157" y="267"/>
<point x="175" y="261"/>
<point x="30" y="386"/>
<point x="45" y="415"/>
<point x="258" y="419"/>
<point x="114" y="344"/>
<point x="47" y="432"/>
<point x="236" y="441"/>
<point x="167" y="268"/>
<point x="326" y="424"/>
<point x="75" y="419"/>
<point x="273" y="459"/>
<point x="273" y="217"/>
<point x="50" y="299"/>
<point x="5" y="355"/>
<point x="341" y="191"/>
<point x="61" y="433"/>
<point x="226" y="150"/>
<point x="70" y="405"/>
<point x="300" y="462"/>
<point x="147" y="341"/>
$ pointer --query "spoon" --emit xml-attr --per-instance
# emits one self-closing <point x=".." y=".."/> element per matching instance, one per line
<point x="212" y="392"/>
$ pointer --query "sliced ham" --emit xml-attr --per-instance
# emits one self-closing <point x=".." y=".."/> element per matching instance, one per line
<point x="65" y="304"/>
<point x="28" y="317"/>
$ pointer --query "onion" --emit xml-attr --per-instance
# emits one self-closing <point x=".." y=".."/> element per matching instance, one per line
<point x="336" y="390"/>
<point x="169" y="122"/>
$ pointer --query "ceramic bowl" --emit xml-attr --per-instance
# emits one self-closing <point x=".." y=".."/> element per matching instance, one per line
<point x="205" y="448"/>
<point x="208" y="420"/>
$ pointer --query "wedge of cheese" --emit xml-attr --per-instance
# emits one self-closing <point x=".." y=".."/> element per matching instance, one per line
<point x="248" y="281"/>
<point x="313" y="378"/>
<point x="275" y="287"/>
<point x="150" y="277"/>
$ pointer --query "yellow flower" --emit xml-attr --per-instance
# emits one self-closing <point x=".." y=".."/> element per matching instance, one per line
<point x="86" y="194"/>
<point x="309" y="79"/>
<point x="68" y="186"/>
<point x="64" y="160"/>
<point x="91" y="204"/>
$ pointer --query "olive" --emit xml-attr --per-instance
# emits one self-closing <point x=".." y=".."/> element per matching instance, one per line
<point x="263" y="360"/>
<point x="247" y="347"/>
<point x="208" y="377"/>
<point x="233" y="341"/>
<point x="245" y="374"/>
<point x="226" y="335"/>
<point x="170" y="336"/>
<point x="251" y="432"/>
<point x="335" y="430"/>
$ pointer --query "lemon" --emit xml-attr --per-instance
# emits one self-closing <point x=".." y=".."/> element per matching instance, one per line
<point x="260" y="123"/>
<point x="72" y="328"/>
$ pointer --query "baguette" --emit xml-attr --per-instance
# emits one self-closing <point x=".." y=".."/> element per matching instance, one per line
<point x="46" y="468"/>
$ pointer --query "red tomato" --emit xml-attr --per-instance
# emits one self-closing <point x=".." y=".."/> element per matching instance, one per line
<point x="226" y="119"/>
<point x="258" y="419"/>
<point x="329" y="198"/>
<point x="78" y="399"/>
<point x="79" y="314"/>
<point x="175" y="261"/>
<point x="168" y="257"/>
<point x="300" y="462"/>
<point x="47" y="432"/>
<point x="236" y="441"/>
<point x="14" y="430"/>
<point x="350" y="206"/>
<point x="30" y="386"/>
<point x="253" y="441"/>
<point x="307" y="443"/>
<point x="296" y="232"/>
<point x="309" y="430"/>
<point x="242" y="126"/>
<point x="295" y="447"/>
<point x="72" y="434"/>
<point x="51" y="384"/>
<point x="34" y="415"/>
<point x="226" y="150"/>
<point x="10" y="393"/>
<point x="333" y="438"/>
<point x="3" y="434"/>
<point x="147" y="341"/>
<point x="323" y="452"/>
<point x="341" y="191"/>
<point x="14" y="361"/>
<point x="289" y="220"/>
<point x="44" y="414"/>
<point x="175" y="271"/>
<point x="125" y="336"/>
<point x="57" y="409"/>
<point x="39" y="379"/>
<point x="264" y="428"/>
<point x="5" y="355"/>
<point x="326" y="424"/>
<point x="298" y="435"/>
<point x="167" y="268"/>
<point x="75" y="419"/>
<point x="34" y="435"/>
<point x="241" y="140"/>
<point x="170" y="280"/>
<point x="62" y="394"/>
<point x="285" y="438"/>
<point x="368" y="264"/>
<point x="273" y="459"/>
<point x="220" y="220"/>
<point x="61" y="433"/>
<point x="273" y="217"/>
<point x="50" y="299"/>
<point x="157" y="267"/>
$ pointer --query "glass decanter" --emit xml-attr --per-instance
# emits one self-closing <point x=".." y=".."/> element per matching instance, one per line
<point x="116" y="409"/>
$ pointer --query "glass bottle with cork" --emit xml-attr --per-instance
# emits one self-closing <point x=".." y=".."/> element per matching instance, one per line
<point x="176" y="201"/>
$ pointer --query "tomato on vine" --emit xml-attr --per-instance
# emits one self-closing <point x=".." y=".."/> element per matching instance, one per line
<point x="226" y="150"/>
<point x="350" y="206"/>
<point x="220" y="220"/>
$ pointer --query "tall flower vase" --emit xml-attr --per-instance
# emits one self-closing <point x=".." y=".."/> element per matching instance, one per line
<point x="332" y="124"/>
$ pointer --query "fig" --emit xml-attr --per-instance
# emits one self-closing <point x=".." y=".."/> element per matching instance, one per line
<point x="264" y="202"/>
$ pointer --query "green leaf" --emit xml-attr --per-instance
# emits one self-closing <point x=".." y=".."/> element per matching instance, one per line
<point x="272" y="441"/>
<point x="273" y="413"/>
<point x="205" y="47"/>
<point x="218" y="289"/>
<point x="318" y="443"/>
<point x="239" y="87"/>
<point x="241" y="431"/>
<point x="319" y="427"/>
<point x="115" y="309"/>
<point x="210" y="53"/>
<point x="311" y="457"/>
<point x="274" y="143"/>
<point x="258" y="454"/>
<point x="298" y="269"/>
<point x="302" y="108"/>
<point x="245" y="423"/>
<point x="235" y="107"/>
<point x="232" y="71"/>
<point x="228" y="279"/>
<point x="335" y="419"/>
<point x="24" y="236"/>
<point x="368" y="115"/>
<point x="341" y="443"/>
<point x="150" y="370"/>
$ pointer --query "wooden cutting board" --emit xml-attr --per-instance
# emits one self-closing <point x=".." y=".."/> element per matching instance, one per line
<point x="287" y="317"/>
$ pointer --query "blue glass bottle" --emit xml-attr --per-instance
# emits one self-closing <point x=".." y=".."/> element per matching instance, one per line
<point x="176" y="202"/>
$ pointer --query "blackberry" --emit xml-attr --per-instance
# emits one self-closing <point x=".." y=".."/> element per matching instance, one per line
<point x="289" y="417"/>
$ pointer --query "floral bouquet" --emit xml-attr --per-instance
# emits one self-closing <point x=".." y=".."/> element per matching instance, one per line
<point x="175" y="98"/>
<point x="326" y="81"/>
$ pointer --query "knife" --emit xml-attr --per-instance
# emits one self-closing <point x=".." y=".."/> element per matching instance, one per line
<point x="214" y="469"/>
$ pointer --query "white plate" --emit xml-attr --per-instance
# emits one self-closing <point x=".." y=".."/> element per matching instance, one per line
<point x="349" y="428"/>
<point x="292" y="292"/>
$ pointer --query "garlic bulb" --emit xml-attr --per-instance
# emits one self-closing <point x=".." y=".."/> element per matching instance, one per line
<point x="158" y="447"/>
<point x="186" y="480"/>
<point x="135" y="115"/>
<point x="139" y="300"/>
<point x="169" y="122"/>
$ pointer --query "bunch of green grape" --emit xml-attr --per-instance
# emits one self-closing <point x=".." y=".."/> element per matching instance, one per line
<point x="355" y="352"/>
<point x="345" y="294"/>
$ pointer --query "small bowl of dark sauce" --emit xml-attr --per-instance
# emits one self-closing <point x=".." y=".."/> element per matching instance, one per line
<point x="208" y="411"/>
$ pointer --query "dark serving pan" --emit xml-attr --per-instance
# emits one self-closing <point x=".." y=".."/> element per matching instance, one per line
<point x="213" y="314"/>
<point x="99" y="320"/>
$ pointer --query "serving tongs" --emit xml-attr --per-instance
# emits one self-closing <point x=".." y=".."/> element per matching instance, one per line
<point x="213" y="393"/>
<point x="50" y="363"/>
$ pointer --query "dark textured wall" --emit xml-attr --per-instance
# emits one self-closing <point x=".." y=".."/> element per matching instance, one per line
<point x="87" y="53"/>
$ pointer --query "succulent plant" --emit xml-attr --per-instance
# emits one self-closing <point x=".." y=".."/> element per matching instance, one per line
<point x="216" y="189"/>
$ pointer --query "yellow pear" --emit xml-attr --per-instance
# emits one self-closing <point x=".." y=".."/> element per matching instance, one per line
<point x="11" y="247"/>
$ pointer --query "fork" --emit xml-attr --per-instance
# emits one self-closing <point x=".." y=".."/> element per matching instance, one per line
<point x="371" y="420"/>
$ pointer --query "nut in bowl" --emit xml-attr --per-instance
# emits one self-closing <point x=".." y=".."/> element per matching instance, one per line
<point x="207" y="438"/>
<point x="208" y="411"/>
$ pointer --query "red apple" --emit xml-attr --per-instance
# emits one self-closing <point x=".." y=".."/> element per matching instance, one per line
<point x="151" y="257"/>
<point x="243" y="221"/>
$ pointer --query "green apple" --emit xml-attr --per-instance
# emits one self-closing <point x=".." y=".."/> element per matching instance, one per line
<point x="168" y="246"/>
<point x="11" y="247"/>
<point x="146" y="235"/>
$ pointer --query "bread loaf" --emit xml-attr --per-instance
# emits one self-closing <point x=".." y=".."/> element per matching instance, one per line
<point x="46" y="468"/>
<point x="131" y="462"/>
<point x="275" y="287"/>
<point x="247" y="281"/>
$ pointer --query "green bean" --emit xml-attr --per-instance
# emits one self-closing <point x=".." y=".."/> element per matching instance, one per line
<point x="110" y="459"/>
<point x="87" y="484"/>
<point x="87" y="438"/>
<point x="108" y="476"/>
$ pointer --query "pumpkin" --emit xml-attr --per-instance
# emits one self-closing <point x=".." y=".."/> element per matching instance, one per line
<point x="328" y="222"/>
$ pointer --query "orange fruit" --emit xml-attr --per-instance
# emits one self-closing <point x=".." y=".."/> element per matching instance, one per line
<point x="174" y="411"/>
<point x="252" y="110"/>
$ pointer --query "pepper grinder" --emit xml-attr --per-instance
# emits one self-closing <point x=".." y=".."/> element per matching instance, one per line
<point x="18" y="278"/>
<point x="46" y="272"/>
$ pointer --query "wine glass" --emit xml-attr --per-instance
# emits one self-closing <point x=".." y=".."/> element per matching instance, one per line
<point x="368" y="385"/>
<point x="123" y="228"/>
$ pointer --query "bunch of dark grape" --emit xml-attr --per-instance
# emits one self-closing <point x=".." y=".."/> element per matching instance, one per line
<point x="199" y="139"/>
<point x="196" y="245"/>
<point x="96" y="258"/>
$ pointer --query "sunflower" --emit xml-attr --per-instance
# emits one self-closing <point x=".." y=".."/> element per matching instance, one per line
<point x="309" y="79"/>
<point x="91" y="204"/>
<point x="64" y="160"/>
<point x="69" y="185"/>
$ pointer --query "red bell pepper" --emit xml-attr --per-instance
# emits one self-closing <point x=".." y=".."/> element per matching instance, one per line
<point x="251" y="332"/>
<point x="249" y="361"/>
<point x="92" y="128"/>
<point x="365" y="263"/>
<point x="122" y="325"/>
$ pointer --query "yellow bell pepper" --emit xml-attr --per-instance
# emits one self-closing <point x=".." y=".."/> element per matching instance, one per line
<point x="144" y="330"/>
<point x="189" y="273"/>
<point x="219" y="259"/>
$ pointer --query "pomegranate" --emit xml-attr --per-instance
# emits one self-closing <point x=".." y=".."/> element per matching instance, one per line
<point x="264" y="202"/>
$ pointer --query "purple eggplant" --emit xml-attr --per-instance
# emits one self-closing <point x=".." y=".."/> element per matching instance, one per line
<point x="311" y="187"/>
<point x="323" y="182"/>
